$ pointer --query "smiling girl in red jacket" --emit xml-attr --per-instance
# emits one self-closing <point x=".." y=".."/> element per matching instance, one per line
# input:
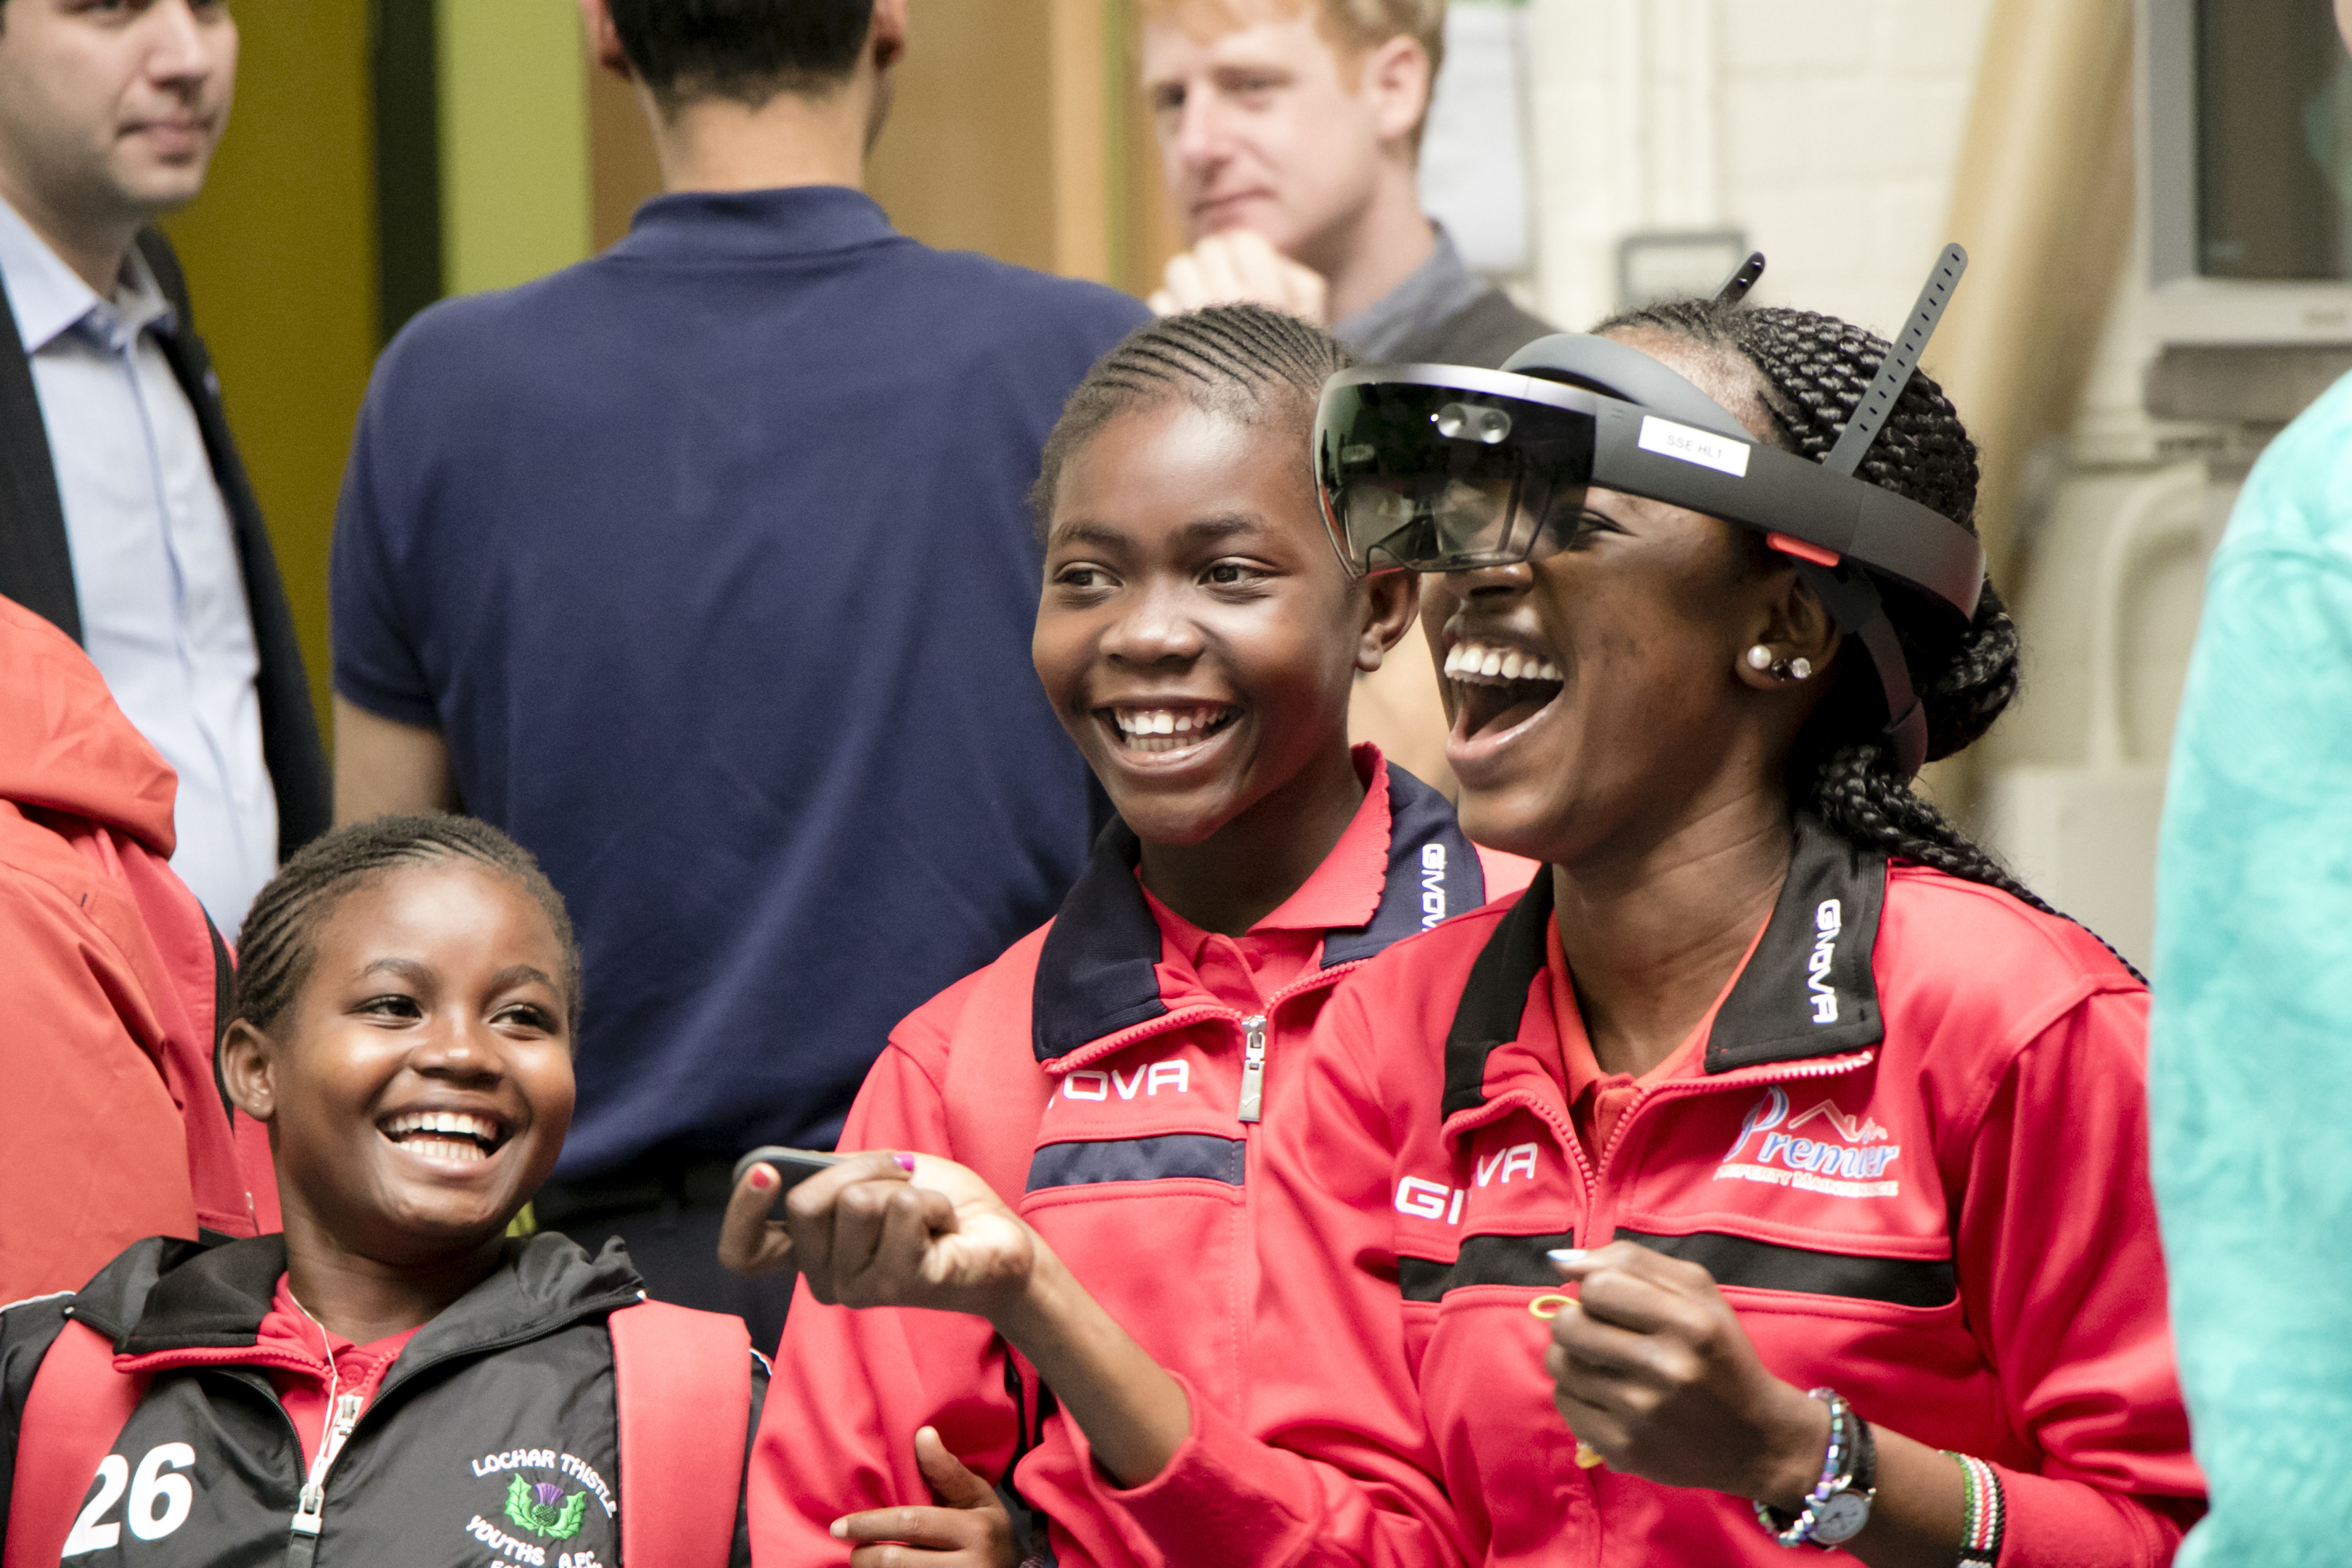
<point x="1112" y="1077"/>
<point x="1775" y="1169"/>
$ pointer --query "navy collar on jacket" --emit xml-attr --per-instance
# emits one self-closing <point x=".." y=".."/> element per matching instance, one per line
<point x="794" y="220"/>
<point x="1807" y="991"/>
<point x="1096" y="973"/>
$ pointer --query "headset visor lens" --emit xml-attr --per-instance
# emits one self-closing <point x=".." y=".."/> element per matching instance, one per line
<point x="1443" y="479"/>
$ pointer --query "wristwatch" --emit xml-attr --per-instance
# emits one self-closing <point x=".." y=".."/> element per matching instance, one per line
<point x="1840" y="1517"/>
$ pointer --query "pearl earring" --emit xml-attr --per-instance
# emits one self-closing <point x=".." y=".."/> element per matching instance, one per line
<point x="1759" y="657"/>
<point x="1792" y="669"/>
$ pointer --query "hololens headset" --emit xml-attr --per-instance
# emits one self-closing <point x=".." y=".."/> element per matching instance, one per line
<point x="1446" y="469"/>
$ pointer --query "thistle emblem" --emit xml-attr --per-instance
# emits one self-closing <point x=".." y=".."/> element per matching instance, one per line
<point x="544" y="1509"/>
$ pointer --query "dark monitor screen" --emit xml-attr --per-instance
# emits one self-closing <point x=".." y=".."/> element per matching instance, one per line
<point x="2274" y="141"/>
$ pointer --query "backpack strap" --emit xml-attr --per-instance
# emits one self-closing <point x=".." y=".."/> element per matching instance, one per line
<point x="76" y="1407"/>
<point x="682" y="1386"/>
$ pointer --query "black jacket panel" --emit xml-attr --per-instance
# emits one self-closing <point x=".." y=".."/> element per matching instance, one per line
<point x="37" y="566"/>
<point x="493" y="1438"/>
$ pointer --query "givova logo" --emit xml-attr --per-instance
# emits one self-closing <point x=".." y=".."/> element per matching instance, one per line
<point x="1850" y="1164"/>
<point x="1829" y="920"/>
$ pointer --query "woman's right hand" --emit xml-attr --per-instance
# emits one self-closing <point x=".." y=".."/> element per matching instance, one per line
<point x="908" y="1230"/>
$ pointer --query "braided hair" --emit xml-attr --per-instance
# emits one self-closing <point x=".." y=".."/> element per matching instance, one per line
<point x="1814" y="371"/>
<point x="1243" y="363"/>
<point x="275" y="946"/>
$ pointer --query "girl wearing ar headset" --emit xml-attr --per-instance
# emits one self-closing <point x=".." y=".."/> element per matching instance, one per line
<point x="1773" y="1172"/>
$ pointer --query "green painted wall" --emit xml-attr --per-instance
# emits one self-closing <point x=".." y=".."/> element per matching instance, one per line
<point x="282" y="249"/>
<point x="280" y="256"/>
<point x="514" y="141"/>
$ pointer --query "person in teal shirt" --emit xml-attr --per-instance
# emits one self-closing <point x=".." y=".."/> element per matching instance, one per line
<point x="2251" y="1071"/>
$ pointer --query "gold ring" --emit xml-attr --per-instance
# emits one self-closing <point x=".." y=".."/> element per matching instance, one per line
<point x="1548" y="1307"/>
<point x="1587" y="1456"/>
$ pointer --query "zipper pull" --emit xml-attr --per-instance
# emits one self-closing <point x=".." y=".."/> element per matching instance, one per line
<point x="311" y="1505"/>
<point x="1253" y="1067"/>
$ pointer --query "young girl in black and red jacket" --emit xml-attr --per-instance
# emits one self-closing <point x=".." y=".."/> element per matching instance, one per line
<point x="393" y="1381"/>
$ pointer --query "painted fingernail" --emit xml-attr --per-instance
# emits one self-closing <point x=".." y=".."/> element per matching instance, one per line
<point x="1565" y="1255"/>
<point x="904" y="1161"/>
<point x="762" y="1178"/>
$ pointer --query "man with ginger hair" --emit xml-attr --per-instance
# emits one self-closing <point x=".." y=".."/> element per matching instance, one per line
<point x="1290" y="138"/>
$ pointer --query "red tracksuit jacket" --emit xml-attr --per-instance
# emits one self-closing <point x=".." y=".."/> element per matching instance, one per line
<point x="1913" y="1154"/>
<point x="113" y="1125"/>
<point x="1091" y="1077"/>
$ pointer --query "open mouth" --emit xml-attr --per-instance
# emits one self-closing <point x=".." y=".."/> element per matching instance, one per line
<point x="1156" y="732"/>
<point x="1497" y="688"/>
<point x="454" y="1135"/>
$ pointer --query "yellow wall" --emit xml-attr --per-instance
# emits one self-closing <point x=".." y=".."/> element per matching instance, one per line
<point x="281" y="257"/>
<point x="514" y="141"/>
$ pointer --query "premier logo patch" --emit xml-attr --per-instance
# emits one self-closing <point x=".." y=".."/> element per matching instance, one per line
<point x="1848" y="1158"/>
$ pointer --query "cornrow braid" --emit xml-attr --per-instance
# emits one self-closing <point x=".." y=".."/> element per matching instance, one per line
<point x="275" y="946"/>
<point x="1814" y="370"/>
<point x="1243" y="362"/>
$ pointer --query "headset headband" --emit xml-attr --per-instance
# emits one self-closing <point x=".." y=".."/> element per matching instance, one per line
<point x="1907" y="540"/>
<point x="1656" y="434"/>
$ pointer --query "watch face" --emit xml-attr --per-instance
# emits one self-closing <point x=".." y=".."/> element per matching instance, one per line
<point x="1842" y="1518"/>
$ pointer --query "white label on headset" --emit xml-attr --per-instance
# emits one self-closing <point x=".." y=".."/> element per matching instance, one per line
<point x="1669" y="439"/>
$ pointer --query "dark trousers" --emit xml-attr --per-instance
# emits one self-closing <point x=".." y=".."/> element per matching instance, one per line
<point x="667" y="1214"/>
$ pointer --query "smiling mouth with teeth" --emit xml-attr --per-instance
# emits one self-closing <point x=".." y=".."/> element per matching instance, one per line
<point x="1498" y="687"/>
<point x="1156" y="729"/>
<point x="445" y="1134"/>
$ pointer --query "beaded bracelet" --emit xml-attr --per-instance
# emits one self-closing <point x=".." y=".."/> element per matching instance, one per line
<point x="1834" y="1468"/>
<point x="1980" y="1540"/>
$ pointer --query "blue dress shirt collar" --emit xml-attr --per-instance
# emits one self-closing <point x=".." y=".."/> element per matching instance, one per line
<point x="49" y="298"/>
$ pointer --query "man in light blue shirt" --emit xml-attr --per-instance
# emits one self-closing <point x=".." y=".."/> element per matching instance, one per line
<point x="107" y="120"/>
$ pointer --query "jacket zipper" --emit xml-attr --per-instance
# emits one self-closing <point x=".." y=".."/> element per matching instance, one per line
<point x="1252" y="1026"/>
<point x="310" y="1506"/>
<point x="1832" y="1066"/>
<point x="1253" y="1067"/>
<point x="310" y="1509"/>
<point x="1254" y="1033"/>
<point x="1590" y="1166"/>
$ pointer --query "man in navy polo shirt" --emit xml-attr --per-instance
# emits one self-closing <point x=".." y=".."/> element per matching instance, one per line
<point x="704" y="569"/>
